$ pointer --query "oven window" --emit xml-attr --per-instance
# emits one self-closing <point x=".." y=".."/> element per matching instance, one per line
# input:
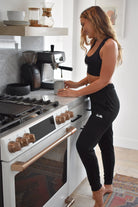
<point x="39" y="182"/>
<point x="43" y="128"/>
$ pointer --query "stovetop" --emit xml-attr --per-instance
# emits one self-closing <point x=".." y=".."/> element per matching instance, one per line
<point x="15" y="110"/>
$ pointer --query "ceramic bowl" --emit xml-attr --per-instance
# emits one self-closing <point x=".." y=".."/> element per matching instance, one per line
<point x="18" y="89"/>
<point x="16" y="15"/>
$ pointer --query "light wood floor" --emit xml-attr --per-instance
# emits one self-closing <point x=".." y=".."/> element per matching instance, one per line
<point x="126" y="164"/>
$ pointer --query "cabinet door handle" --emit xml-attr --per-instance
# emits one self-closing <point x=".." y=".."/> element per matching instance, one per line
<point x="20" y="166"/>
<point x="75" y="119"/>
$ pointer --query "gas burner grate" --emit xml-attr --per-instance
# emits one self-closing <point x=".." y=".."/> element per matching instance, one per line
<point x="16" y="110"/>
<point x="9" y="125"/>
<point x="4" y="119"/>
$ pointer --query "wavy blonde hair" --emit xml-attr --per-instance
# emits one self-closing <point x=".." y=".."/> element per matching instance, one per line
<point x="102" y="25"/>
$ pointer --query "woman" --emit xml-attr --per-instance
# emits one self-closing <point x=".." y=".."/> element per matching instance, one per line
<point x="101" y="59"/>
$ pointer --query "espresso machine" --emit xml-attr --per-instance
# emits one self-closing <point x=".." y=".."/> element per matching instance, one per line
<point x="47" y="62"/>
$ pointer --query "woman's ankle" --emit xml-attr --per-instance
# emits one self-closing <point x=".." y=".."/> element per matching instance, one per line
<point x="108" y="188"/>
<point x="98" y="196"/>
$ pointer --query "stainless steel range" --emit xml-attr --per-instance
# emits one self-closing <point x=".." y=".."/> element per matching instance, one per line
<point x="34" y="152"/>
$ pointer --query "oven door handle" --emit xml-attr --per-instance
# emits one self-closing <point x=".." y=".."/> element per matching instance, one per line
<point x="20" y="166"/>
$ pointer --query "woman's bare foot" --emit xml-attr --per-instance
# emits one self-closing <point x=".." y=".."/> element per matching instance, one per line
<point x="98" y="197"/>
<point x="108" y="189"/>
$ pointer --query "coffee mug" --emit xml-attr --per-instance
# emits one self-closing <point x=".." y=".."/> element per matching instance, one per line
<point x="58" y="84"/>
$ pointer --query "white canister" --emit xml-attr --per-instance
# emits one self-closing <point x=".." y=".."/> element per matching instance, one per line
<point x="58" y="84"/>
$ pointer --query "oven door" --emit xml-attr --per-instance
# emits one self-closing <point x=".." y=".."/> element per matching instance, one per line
<point x="39" y="177"/>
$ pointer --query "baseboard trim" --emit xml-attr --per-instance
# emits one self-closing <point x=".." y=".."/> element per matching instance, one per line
<point x="126" y="143"/>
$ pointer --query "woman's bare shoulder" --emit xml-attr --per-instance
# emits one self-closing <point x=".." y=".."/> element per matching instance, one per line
<point x="110" y="47"/>
<point x="110" y="43"/>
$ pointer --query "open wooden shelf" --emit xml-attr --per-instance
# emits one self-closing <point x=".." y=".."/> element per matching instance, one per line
<point x="33" y="31"/>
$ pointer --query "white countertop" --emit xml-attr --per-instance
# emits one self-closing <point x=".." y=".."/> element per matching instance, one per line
<point x="70" y="101"/>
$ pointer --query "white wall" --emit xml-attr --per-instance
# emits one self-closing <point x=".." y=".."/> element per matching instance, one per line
<point x="78" y="54"/>
<point x="125" y="78"/>
<point x="126" y="133"/>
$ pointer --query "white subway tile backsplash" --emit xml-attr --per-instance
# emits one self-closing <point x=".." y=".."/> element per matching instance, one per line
<point x="9" y="68"/>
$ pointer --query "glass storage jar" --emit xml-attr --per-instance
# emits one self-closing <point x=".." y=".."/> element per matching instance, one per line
<point x="34" y="16"/>
<point x="47" y="19"/>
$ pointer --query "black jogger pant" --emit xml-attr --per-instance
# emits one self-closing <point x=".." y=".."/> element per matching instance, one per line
<point x="98" y="130"/>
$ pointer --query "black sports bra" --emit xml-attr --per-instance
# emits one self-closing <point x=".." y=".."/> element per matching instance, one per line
<point x="94" y="61"/>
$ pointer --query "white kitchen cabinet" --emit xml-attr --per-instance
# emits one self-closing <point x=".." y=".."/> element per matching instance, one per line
<point x="33" y="31"/>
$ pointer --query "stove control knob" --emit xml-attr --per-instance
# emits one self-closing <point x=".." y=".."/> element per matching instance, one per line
<point x="30" y="137"/>
<point x="60" y="119"/>
<point x="71" y="114"/>
<point x="14" y="146"/>
<point x="63" y="118"/>
<point x="19" y="139"/>
<point x="67" y="115"/>
<point x="25" y="141"/>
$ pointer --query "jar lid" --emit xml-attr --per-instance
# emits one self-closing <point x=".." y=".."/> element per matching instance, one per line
<point x="33" y="8"/>
<point x="47" y="9"/>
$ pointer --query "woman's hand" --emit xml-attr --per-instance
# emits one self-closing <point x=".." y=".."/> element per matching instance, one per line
<point x="70" y="84"/>
<point x="66" y="92"/>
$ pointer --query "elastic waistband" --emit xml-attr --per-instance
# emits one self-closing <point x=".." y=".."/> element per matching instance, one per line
<point x="110" y="85"/>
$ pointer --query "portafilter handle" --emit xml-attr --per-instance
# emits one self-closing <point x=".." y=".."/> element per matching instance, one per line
<point x="65" y="68"/>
